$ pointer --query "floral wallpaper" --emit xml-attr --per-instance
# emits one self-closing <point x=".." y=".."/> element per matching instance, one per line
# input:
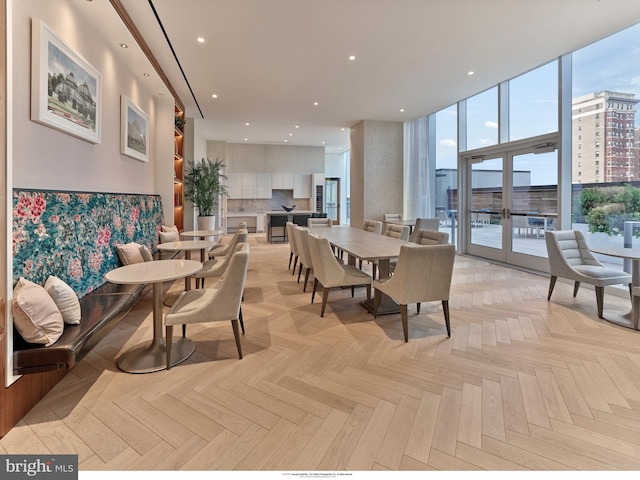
<point x="73" y="235"/>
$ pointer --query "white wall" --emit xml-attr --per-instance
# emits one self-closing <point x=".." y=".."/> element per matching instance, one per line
<point x="248" y="158"/>
<point x="47" y="158"/>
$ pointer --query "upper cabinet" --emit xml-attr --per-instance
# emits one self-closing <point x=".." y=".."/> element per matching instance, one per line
<point x="260" y="185"/>
<point x="302" y="185"/>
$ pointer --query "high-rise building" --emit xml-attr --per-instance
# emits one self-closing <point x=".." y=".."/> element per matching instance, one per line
<point x="603" y="133"/>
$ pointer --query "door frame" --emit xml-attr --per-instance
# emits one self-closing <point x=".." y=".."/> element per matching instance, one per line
<point x="506" y="151"/>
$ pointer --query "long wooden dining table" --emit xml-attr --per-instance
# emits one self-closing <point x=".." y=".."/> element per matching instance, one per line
<point x="363" y="245"/>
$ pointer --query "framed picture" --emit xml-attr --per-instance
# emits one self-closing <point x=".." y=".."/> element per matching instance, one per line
<point x="134" y="124"/>
<point x="66" y="91"/>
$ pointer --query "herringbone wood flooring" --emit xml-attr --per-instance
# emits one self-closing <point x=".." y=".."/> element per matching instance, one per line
<point x="521" y="384"/>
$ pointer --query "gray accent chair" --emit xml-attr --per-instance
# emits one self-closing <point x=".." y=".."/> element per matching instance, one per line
<point x="570" y="257"/>
<point x="423" y="274"/>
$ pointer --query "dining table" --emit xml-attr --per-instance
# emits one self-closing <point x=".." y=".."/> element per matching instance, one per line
<point x="370" y="246"/>
<point x="188" y="246"/>
<point x="152" y="357"/>
<point x="201" y="234"/>
<point x="628" y="318"/>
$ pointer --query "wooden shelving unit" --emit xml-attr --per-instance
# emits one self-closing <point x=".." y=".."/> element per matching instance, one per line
<point x="178" y="172"/>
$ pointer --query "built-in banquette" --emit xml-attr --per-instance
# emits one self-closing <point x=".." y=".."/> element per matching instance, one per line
<point x="72" y="235"/>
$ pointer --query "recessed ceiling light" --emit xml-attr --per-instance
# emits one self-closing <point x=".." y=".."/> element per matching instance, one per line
<point x="200" y="40"/>
<point x="291" y="134"/>
<point x="124" y="45"/>
<point x="145" y="74"/>
<point x="342" y="129"/>
<point x="286" y="141"/>
<point x="323" y="142"/>
<point x="247" y="124"/>
<point x="297" y="126"/>
<point x="161" y="94"/>
<point x="214" y="96"/>
<point x="470" y="72"/>
<point x="246" y="139"/>
<point x="315" y="103"/>
<point x="402" y="109"/>
<point x="352" y="57"/>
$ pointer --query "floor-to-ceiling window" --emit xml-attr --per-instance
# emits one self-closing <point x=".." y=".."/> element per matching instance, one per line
<point x="605" y="164"/>
<point x="446" y="165"/>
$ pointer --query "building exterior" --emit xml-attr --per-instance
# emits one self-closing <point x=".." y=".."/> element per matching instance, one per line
<point x="603" y="131"/>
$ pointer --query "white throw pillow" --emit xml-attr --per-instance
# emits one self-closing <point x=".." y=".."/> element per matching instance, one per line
<point x="35" y="314"/>
<point x="166" y="237"/>
<point x="146" y="254"/>
<point x="129" y="253"/>
<point x="65" y="298"/>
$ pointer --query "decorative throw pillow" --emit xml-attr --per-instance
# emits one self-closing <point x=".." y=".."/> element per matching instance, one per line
<point x="166" y="228"/>
<point x="129" y="253"/>
<point x="35" y="314"/>
<point x="65" y="298"/>
<point x="146" y="254"/>
<point x="166" y="237"/>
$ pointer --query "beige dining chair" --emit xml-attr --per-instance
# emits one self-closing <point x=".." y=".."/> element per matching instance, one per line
<point x="219" y="303"/>
<point x="217" y="267"/>
<point x="374" y="226"/>
<point x="319" y="222"/>
<point x="220" y="250"/>
<point x="424" y="224"/>
<point x="396" y="231"/>
<point x="293" y="247"/>
<point x="423" y="274"/>
<point x="570" y="257"/>
<point x="305" y="260"/>
<point x="430" y="237"/>
<point x="330" y="273"/>
<point x="392" y="217"/>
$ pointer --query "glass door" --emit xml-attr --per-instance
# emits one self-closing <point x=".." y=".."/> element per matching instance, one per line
<point x="332" y="199"/>
<point x="511" y="201"/>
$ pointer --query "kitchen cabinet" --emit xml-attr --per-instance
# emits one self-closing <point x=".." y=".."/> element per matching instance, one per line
<point x="302" y="185"/>
<point x="249" y="185"/>
<point x="234" y="184"/>
<point x="263" y="185"/>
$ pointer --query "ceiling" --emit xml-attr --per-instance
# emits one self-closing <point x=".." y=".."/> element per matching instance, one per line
<point x="269" y="61"/>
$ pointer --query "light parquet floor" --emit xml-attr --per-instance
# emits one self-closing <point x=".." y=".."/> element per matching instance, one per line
<point x="522" y="384"/>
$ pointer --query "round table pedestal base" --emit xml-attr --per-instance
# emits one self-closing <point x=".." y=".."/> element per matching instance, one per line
<point x="621" y="317"/>
<point x="153" y="358"/>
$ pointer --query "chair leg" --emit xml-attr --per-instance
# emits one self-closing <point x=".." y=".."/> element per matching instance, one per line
<point x="290" y="259"/>
<point x="315" y="287"/>
<point x="636" y="312"/>
<point x="168" y="341"/>
<point x="306" y="278"/>
<point x="600" y="301"/>
<point x="552" y="284"/>
<point x="418" y="307"/>
<point x="631" y="292"/>
<point x="299" y="271"/>
<point x="368" y="287"/>
<point x="373" y="274"/>
<point x="295" y="264"/>
<point x="405" y="322"/>
<point x="325" y="295"/>
<point x="236" y="334"/>
<point x="576" y="287"/>
<point x="445" y="309"/>
<point x="360" y="264"/>
<point x="353" y="291"/>
<point x="241" y="320"/>
<point x="184" y="329"/>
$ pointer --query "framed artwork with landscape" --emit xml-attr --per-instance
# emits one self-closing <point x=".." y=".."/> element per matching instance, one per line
<point x="66" y="91"/>
<point x="134" y="124"/>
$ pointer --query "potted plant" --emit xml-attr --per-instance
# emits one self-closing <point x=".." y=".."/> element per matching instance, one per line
<point x="203" y="186"/>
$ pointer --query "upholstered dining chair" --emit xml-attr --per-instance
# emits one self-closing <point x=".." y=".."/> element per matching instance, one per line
<point x="240" y="235"/>
<point x="392" y="217"/>
<point x="570" y="257"/>
<point x="397" y="231"/>
<point x="374" y="226"/>
<point x="218" y="303"/>
<point x="424" y="224"/>
<point x="430" y="237"/>
<point x="319" y="222"/>
<point x="305" y="260"/>
<point x="216" y="268"/>
<point x="293" y="247"/>
<point x="330" y="273"/>
<point x="423" y="274"/>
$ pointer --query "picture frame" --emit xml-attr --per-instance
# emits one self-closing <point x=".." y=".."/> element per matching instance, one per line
<point x="66" y="90"/>
<point x="134" y="134"/>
